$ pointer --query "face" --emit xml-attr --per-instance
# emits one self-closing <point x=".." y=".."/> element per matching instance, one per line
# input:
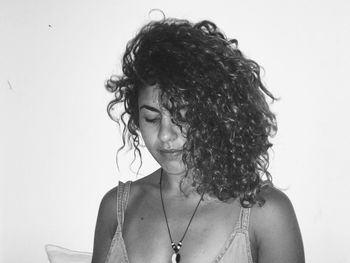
<point x="162" y="137"/>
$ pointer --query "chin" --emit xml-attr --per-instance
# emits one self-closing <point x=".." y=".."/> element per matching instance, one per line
<point x="173" y="167"/>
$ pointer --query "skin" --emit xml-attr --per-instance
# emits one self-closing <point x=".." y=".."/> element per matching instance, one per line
<point x="273" y="229"/>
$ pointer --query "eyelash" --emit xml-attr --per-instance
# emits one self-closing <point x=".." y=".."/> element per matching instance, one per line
<point x="151" y="120"/>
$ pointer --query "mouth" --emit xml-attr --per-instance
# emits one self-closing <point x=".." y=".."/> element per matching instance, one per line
<point x="171" y="153"/>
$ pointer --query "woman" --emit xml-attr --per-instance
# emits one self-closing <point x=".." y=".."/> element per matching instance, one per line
<point x="201" y="109"/>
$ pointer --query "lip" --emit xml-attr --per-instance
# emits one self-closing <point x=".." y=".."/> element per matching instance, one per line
<point x="171" y="154"/>
<point x="170" y="151"/>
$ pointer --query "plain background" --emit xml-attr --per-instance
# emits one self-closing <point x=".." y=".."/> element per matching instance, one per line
<point x="58" y="145"/>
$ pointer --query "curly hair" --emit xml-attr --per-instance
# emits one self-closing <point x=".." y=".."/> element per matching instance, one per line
<point x="228" y="118"/>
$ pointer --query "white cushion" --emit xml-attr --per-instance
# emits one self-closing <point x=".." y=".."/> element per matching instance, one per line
<point x="58" y="254"/>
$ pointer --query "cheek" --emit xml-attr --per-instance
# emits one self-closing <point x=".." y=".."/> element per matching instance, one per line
<point x="148" y="136"/>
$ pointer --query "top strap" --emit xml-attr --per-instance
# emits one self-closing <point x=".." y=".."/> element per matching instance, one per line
<point x="244" y="218"/>
<point x="123" y="191"/>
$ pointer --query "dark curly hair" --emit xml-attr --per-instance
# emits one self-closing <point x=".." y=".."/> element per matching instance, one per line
<point x="228" y="118"/>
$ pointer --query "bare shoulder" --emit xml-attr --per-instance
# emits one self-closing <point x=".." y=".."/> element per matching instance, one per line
<point x="106" y="225"/>
<point x="107" y="213"/>
<point x="108" y="209"/>
<point x="110" y="197"/>
<point x="277" y="206"/>
<point x="276" y="230"/>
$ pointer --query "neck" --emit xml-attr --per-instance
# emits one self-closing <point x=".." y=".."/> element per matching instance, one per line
<point x="171" y="184"/>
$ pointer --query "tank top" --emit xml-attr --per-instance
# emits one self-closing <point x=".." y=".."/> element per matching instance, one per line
<point x="235" y="249"/>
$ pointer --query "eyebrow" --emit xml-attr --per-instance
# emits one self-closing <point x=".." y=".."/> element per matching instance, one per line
<point x="149" y="108"/>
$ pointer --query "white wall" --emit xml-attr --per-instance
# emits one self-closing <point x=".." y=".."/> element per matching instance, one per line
<point x="58" y="145"/>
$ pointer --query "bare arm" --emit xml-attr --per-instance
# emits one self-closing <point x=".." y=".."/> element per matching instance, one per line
<point x="106" y="225"/>
<point x="276" y="230"/>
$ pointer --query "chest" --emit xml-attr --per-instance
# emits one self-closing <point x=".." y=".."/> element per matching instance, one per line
<point x="147" y="238"/>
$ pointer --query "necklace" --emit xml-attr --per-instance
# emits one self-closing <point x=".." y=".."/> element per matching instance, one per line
<point x="176" y="247"/>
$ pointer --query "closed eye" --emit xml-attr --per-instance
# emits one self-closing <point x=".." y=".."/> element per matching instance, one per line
<point x="151" y="120"/>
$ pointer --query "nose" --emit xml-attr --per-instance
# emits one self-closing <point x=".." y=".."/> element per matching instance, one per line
<point x="168" y="131"/>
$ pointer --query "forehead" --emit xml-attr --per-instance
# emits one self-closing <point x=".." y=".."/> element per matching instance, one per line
<point x="149" y="95"/>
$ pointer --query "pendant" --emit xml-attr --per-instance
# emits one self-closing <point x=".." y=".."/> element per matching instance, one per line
<point x="176" y="258"/>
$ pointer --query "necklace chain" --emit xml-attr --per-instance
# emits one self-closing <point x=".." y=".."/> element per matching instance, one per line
<point x="177" y="247"/>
